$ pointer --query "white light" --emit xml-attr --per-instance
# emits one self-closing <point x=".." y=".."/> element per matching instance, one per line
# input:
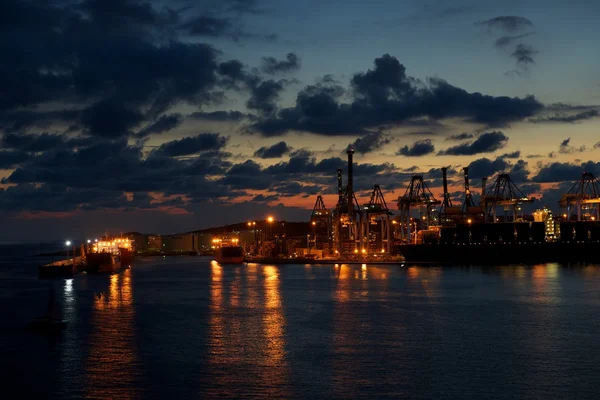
<point x="89" y="241"/>
<point x="68" y="243"/>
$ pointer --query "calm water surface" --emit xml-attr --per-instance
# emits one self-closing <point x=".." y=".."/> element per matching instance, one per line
<point x="189" y="328"/>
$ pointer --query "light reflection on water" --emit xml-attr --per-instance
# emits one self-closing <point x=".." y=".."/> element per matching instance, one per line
<point x="112" y="359"/>
<point x="188" y="328"/>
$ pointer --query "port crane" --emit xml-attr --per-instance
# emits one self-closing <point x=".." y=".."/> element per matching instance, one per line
<point x="320" y="220"/>
<point x="417" y="196"/>
<point x="504" y="192"/>
<point x="347" y="213"/>
<point x="584" y="196"/>
<point x="376" y="212"/>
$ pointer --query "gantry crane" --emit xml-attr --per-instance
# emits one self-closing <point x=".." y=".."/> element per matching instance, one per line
<point x="504" y="193"/>
<point x="320" y="220"/>
<point x="584" y="196"/>
<point x="417" y="196"/>
<point x="376" y="212"/>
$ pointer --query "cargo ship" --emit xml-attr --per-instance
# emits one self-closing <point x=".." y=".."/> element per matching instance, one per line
<point x="227" y="251"/>
<point x="109" y="254"/>
<point x="506" y="243"/>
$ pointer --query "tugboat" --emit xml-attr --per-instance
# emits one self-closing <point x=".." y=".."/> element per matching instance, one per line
<point x="227" y="251"/>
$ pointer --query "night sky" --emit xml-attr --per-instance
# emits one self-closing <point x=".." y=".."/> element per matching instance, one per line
<point x="156" y="116"/>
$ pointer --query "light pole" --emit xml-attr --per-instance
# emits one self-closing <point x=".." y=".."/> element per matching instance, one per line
<point x="68" y="244"/>
<point x="269" y="230"/>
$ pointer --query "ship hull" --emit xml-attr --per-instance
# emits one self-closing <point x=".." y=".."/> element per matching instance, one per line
<point x="56" y="271"/>
<point x="508" y="253"/>
<point x="98" y="263"/>
<point x="127" y="256"/>
<point x="230" y="255"/>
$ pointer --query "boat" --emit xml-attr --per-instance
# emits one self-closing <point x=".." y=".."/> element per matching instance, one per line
<point x="103" y="262"/>
<point x="109" y="254"/>
<point x="227" y="251"/>
<point x="60" y="269"/>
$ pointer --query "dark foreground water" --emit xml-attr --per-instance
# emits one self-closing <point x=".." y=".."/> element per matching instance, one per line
<point x="189" y="328"/>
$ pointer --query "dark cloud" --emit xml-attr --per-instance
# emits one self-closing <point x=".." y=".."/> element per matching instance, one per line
<point x="110" y="119"/>
<point x="18" y="120"/>
<point x="32" y="142"/>
<point x="422" y="133"/>
<point x="105" y="52"/>
<point x="519" y="172"/>
<point x="515" y="154"/>
<point x="485" y="168"/>
<point x="265" y="95"/>
<point x="222" y="116"/>
<point x="509" y="23"/>
<point x="264" y="199"/>
<point x="203" y="25"/>
<point x="566" y="148"/>
<point x="485" y="143"/>
<point x="193" y="145"/>
<point x="386" y="96"/>
<point x="506" y="41"/>
<point x="275" y="151"/>
<point x="524" y="55"/>
<point x="11" y="158"/>
<point x="559" y="172"/>
<point x="164" y="124"/>
<point x="370" y="142"/>
<point x="418" y="149"/>
<point x="565" y="118"/>
<point x="270" y="65"/>
<point x="461" y="136"/>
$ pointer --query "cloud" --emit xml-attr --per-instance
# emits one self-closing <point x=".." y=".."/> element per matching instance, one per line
<point x="370" y="142"/>
<point x="11" y="158"/>
<point x="566" y="118"/>
<point x="515" y="154"/>
<point x="203" y="25"/>
<point x="485" y="168"/>
<point x="110" y="119"/>
<point x="485" y="143"/>
<point x="275" y="151"/>
<point x="164" y="124"/>
<point x="506" y="41"/>
<point x="519" y="171"/>
<point x="461" y="136"/>
<point x="566" y="148"/>
<point x="559" y="172"/>
<point x="509" y="23"/>
<point x="386" y="96"/>
<point x="222" y="116"/>
<point x="32" y="142"/>
<point x="524" y="55"/>
<point x="264" y="96"/>
<point x="418" y="149"/>
<point x="272" y="66"/>
<point x="193" y="145"/>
